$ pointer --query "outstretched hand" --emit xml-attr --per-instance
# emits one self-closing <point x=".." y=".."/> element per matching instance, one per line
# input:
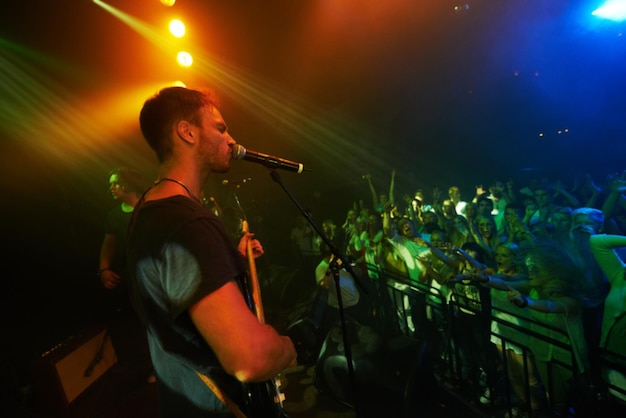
<point x="471" y="277"/>
<point x="515" y="297"/>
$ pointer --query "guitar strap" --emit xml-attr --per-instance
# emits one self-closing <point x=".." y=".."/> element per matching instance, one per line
<point x="229" y="403"/>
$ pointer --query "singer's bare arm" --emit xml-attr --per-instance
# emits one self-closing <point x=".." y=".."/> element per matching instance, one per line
<point x="247" y="349"/>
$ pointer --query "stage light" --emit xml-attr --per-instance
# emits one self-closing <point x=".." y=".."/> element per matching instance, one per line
<point x="185" y="59"/>
<point x="461" y="8"/>
<point x="177" y="28"/>
<point x="168" y="3"/>
<point x="614" y="10"/>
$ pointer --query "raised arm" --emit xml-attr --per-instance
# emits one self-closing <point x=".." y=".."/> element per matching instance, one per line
<point x="392" y="186"/>
<point x="617" y="187"/>
<point x="563" y="304"/>
<point x="368" y="178"/>
<point x="603" y="247"/>
<point x="559" y="190"/>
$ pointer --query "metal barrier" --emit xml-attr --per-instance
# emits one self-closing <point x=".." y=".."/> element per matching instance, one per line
<point x="444" y="320"/>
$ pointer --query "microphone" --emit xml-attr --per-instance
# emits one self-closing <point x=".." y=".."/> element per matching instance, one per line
<point x="240" y="153"/>
<point x="237" y="182"/>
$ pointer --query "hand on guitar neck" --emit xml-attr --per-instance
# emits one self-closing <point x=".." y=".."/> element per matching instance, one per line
<point x="263" y="400"/>
<point x="250" y="247"/>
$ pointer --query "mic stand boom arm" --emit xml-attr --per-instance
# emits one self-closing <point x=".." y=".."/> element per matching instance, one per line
<point x="338" y="262"/>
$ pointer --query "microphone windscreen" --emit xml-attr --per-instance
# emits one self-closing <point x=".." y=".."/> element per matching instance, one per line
<point x="238" y="152"/>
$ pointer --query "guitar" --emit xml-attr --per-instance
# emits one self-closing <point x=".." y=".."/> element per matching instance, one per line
<point x="262" y="400"/>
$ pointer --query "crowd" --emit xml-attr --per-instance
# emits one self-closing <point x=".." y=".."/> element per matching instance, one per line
<point x="526" y="256"/>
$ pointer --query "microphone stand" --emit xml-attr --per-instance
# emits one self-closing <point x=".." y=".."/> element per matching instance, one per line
<point x="337" y="263"/>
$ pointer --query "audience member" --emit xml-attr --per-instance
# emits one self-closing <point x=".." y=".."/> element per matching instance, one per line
<point x="512" y="344"/>
<point x="486" y="235"/>
<point x="350" y="296"/>
<point x="403" y="249"/>
<point x="544" y="196"/>
<point x="585" y="223"/>
<point x="614" y="206"/>
<point x="501" y="195"/>
<point x="381" y="201"/>
<point x="563" y="197"/>
<point x="514" y="229"/>
<point x="604" y="249"/>
<point x="552" y="295"/>
<point x="530" y="207"/>
<point x="369" y="243"/>
<point x="471" y="324"/>
<point x="484" y="205"/>
<point x="348" y="227"/>
<point x="454" y="193"/>
<point x="562" y="225"/>
<point x="459" y="231"/>
<point x="586" y="191"/>
<point x="329" y="228"/>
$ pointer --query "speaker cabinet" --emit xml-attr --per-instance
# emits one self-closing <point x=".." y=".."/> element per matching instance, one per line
<point x="392" y="375"/>
<point x="64" y="372"/>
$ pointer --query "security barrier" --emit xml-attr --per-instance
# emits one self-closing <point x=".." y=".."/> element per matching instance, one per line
<point x="487" y="354"/>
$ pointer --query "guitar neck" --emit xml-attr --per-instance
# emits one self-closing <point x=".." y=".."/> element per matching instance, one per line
<point x="263" y="400"/>
<point x="255" y="287"/>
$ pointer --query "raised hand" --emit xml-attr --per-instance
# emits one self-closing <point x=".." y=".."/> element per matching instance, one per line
<point x="617" y="182"/>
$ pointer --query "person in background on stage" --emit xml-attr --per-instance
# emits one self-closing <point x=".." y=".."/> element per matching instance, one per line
<point x="187" y="276"/>
<point x="126" y="186"/>
<point x="128" y="336"/>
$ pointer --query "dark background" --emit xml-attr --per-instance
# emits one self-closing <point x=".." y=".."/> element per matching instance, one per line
<point x="348" y="87"/>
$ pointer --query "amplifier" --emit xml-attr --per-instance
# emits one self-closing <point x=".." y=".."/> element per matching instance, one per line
<point x="65" y="371"/>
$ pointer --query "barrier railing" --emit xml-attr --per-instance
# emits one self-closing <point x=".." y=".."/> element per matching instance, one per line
<point x="438" y="315"/>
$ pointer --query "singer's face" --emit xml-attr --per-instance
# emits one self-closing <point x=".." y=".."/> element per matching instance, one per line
<point x="216" y="143"/>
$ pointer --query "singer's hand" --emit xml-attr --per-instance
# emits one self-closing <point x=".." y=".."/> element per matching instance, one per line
<point x="255" y="245"/>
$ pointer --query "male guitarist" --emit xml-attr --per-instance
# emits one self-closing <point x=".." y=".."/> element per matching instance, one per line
<point x="211" y="353"/>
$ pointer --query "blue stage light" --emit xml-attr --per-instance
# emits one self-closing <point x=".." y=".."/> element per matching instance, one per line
<point x="614" y="10"/>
